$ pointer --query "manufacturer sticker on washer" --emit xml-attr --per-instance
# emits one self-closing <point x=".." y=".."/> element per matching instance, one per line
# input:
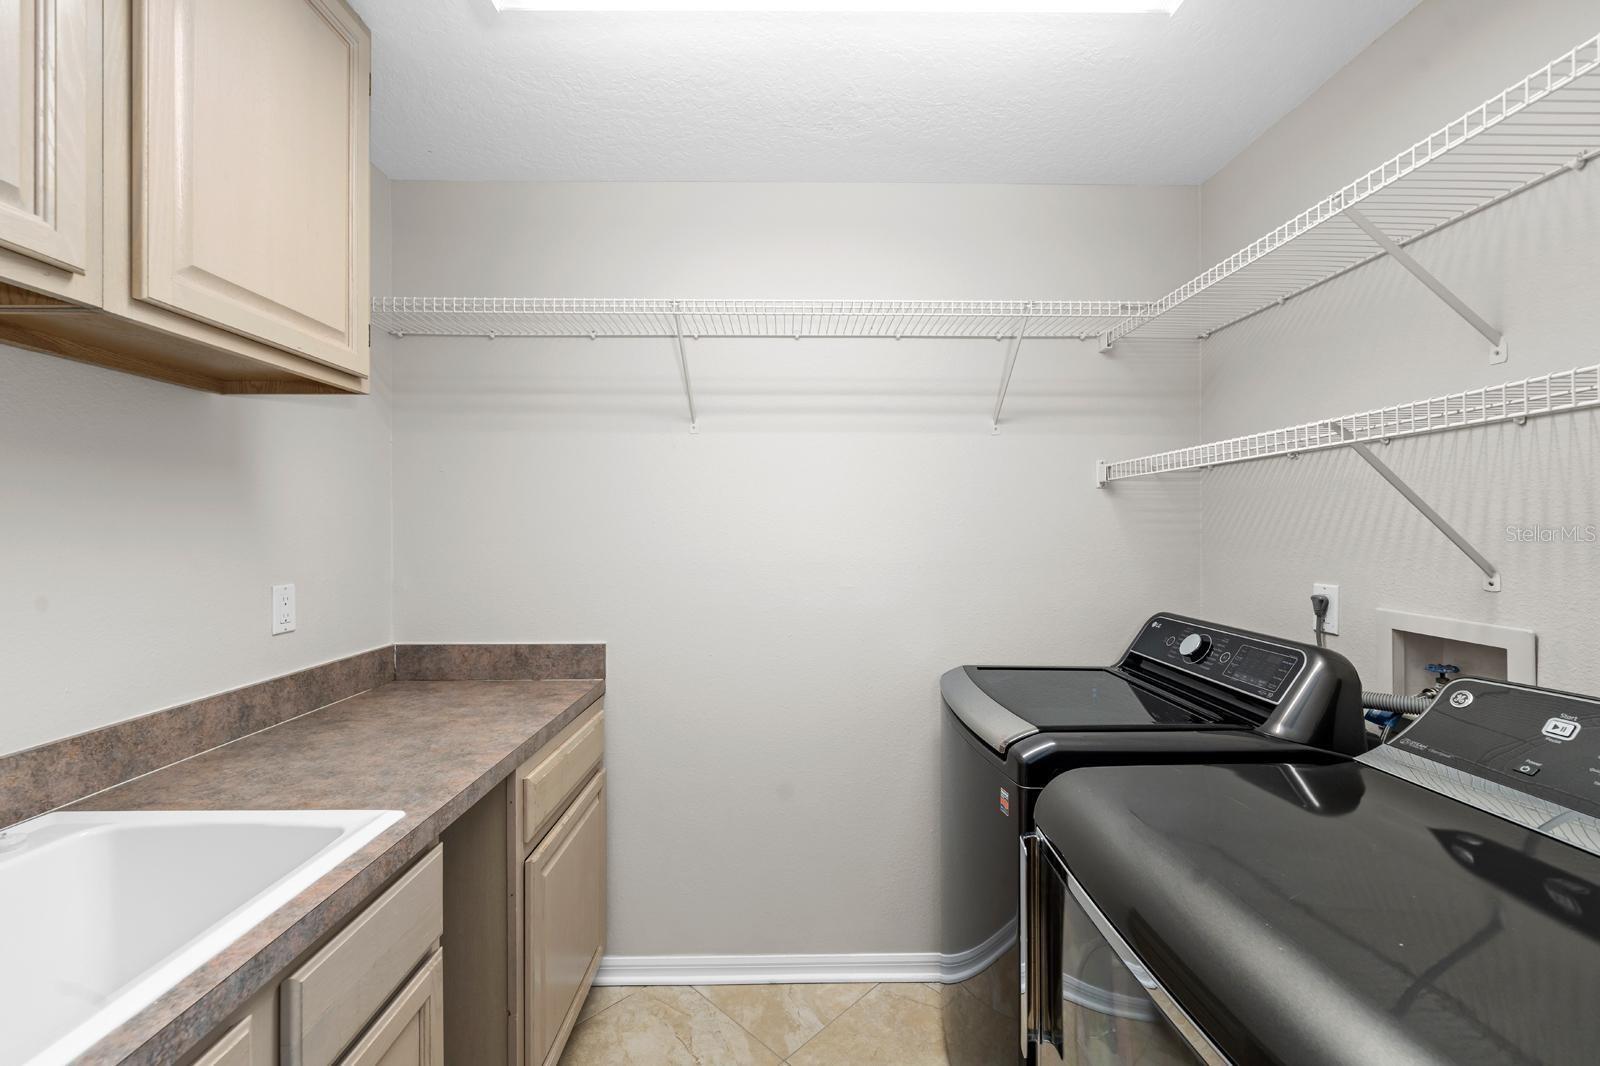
<point x="1005" y="803"/>
<point x="1461" y="699"/>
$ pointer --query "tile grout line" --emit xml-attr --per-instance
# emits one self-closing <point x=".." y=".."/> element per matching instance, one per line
<point x="870" y="989"/>
<point x="782" y="1059"/>
<point x="607" y="1007"/>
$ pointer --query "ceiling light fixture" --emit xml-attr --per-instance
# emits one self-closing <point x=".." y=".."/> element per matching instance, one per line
<point x="1049" y="7"/>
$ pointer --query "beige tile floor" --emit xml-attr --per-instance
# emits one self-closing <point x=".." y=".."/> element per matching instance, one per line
<point x="760" y="1025"/>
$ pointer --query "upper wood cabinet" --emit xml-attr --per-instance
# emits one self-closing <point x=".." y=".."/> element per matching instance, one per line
<point x="251" y="179"/>
<point x="184" y="189"/>
<point x="50" y="145"/>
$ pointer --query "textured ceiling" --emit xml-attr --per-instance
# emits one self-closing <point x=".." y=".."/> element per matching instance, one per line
<point x="464" y="92"/>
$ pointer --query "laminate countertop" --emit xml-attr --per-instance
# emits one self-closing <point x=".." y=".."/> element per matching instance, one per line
<point x="429" y="748"/>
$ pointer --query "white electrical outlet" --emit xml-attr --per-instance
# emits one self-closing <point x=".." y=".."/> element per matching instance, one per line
<point x="1331" y="624"/>
<point x="282" y="609"/>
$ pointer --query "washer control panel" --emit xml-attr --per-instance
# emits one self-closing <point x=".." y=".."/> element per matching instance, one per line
<point x="1242" y="662"/>
<point x="1537" y="741"/>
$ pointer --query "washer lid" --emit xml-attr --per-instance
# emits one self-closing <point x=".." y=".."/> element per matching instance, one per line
<point x="1336" y="916"/>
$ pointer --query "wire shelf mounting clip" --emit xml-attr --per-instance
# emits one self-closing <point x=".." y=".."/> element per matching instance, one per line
<point x="1391" y="248"/>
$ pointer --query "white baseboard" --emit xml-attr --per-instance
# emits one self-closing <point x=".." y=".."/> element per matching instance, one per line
<point x="765" y="969"/>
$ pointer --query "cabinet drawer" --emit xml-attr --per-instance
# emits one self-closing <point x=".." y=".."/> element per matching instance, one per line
<point x="233" y="1049"/>
<point x="410" y="1031"/>
<point x="331" y="999"/>
<point x="544" y="788"/>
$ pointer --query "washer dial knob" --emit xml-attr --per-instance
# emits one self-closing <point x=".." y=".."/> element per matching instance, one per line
<point x="1195" y="647"/>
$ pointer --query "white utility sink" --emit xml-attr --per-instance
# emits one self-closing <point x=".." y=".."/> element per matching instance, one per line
<point x="101" y="913"/>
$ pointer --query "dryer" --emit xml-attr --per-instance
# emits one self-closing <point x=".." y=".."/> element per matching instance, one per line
<point x="1184" y="691"/>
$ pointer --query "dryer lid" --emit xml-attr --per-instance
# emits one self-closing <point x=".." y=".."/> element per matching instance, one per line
<point x="1004" y="704"/>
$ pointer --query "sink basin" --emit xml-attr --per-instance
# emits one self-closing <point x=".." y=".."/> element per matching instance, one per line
<point x="101" y="913"/>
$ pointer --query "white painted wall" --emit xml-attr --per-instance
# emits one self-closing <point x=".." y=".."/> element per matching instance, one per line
<point x="781" y="591"/>
<point x="1377" y="337"/>
<point x="142" y="526"/>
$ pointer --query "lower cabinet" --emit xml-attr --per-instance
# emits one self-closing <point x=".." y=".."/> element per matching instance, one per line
<point x="525" y="904"/>
<point x="564" y="893"/>
<point x="372" y="995"/>
<point x="410" y="1031"/>
<point x="251" y="1040"/>
<point x="517" y="892"/>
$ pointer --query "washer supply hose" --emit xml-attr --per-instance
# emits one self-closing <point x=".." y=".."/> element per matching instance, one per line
<point x="1410" y="706"/>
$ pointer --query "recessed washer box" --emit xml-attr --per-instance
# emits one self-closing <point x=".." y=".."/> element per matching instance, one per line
<point x="1503" y="653"/>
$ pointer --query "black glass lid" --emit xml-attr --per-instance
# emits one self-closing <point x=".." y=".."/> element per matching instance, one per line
<point x="1060" y="698"/>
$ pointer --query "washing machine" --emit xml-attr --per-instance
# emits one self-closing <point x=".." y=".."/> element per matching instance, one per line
<point x="1185" y="691"/>
<point x="1434" y="901"/>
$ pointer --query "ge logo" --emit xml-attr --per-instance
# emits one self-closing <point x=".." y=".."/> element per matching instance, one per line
<point x="1460" y="699"/>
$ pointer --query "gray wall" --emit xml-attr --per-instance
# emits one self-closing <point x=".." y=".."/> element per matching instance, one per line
<point x="1378" y="337"/>
<point x="781" y="591"/>
<point x="142" y="526"/>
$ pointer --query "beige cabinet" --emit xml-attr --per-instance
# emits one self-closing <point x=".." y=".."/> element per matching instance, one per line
<point x="250" y="1040"/>
<point x="346" y="991"/>
<point x="410" y="1031"/>
<point x="50" y="64"/>
<point x="250" y="170"/>
<point x="564" y="889"/>
<point x="186" y="196"/>
<point x="525" y="903"/>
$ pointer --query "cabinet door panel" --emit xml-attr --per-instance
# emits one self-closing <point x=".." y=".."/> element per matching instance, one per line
<point x="46" y="140"/>
<point x="251" y="178"/>
<point x="565" y="896"/>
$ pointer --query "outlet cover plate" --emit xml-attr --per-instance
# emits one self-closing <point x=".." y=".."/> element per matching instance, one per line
<point x="282" y="609"/>
<point x="1331" y="624"/>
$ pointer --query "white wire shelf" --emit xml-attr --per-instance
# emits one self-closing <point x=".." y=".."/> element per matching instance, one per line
<point x="434" y="316"/>
<point x="1566" y="390"/>
<point x="1544" y="126"/>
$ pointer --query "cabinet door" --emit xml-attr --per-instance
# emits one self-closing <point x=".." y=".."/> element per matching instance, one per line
<point x="48" y="144"/>
<point x="250" y="170"/>
<point x="410" y="1031"/>
<point x="250" y="1042"/>
<point x="564" y="883"/>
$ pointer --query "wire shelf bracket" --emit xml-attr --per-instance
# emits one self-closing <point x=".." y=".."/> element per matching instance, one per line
<point x="1538" y="129"/>
<point x="1491" y="573"/>
<point x="1005" y="375"/>
<point x="683" y="372"/>
<point x="1515" y="401"/>
<point x="1497" y="340"/>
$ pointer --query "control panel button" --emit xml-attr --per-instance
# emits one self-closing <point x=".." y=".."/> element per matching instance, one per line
<point x="1195" y="647"/>
<point x="1528" y="769"/>
<point x="1561" y="729"/>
